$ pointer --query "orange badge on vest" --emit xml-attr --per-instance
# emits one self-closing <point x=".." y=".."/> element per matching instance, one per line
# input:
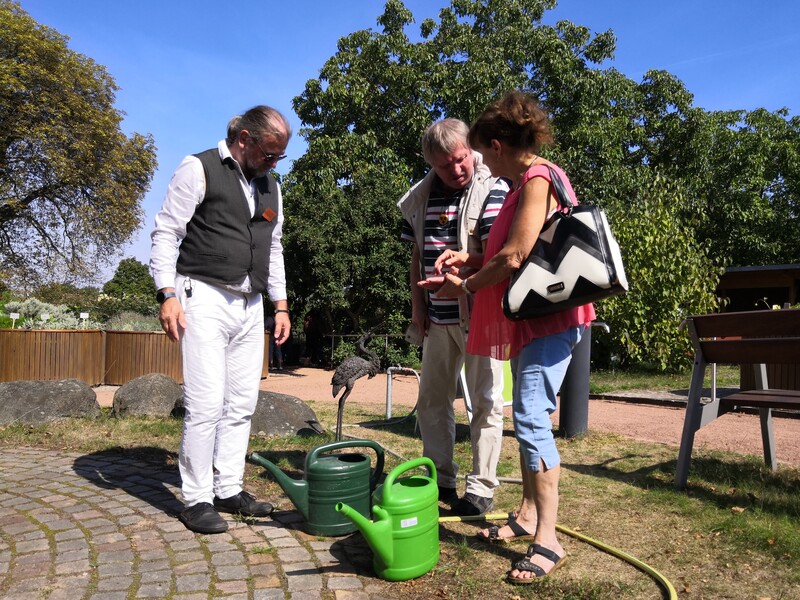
<point x="268" y="214"/>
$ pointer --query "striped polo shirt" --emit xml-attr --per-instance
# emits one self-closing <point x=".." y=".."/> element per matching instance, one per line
<point x="441" y="233"/>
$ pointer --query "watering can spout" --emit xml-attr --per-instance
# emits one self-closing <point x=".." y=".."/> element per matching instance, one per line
<point x="297" y="490"/>
<point x="378" y="533"/>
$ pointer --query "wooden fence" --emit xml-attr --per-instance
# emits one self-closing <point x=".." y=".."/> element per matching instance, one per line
<point x="94" y="356"/>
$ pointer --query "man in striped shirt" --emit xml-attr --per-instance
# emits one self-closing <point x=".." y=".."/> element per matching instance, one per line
<point x="452" y="207"/>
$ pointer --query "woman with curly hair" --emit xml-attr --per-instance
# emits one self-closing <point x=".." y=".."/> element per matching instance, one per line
<point x="510" y="134"/>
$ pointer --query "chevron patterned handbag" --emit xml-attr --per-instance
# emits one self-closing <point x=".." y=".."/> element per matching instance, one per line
<point x="575" y="261"/>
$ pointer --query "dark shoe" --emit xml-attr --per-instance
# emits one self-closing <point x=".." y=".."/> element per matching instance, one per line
<point x="202" y="518"/>
<point x="518" y="532"/>
<point x="525" y="564"/>
<point x="448" y="495"/>
<point x="471" y="505"/>
<point x="243" y="504"/>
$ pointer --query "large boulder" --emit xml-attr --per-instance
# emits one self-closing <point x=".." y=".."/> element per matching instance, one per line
<point x="154" y="395"/>
<point x="37" y="402"/>
<point x="280" y="414"/>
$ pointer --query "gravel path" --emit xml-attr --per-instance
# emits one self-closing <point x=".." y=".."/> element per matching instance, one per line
<point x="643" y="415"/>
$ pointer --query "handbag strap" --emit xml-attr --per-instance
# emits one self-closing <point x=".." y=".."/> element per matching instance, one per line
<point x="564" y="201"/>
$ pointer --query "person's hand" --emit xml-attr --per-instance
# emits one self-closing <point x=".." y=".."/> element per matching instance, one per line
<point x="451" y="288"/>
<point x="450" y="261"/>
<point x="432" y="283"/>
<point x="283" y="327"/>
<point x="173" y="320"/>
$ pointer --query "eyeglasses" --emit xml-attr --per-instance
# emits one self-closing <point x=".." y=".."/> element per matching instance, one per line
<point x="268" y="157"/>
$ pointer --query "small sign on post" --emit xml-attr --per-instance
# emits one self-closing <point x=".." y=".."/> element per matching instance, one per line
<point x="84" y="317"/>
<point x="14" y="317"/>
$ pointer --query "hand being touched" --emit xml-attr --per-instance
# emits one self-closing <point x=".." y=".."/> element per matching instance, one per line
<point x="452" y="287"/>
<point x="444" y="286"/>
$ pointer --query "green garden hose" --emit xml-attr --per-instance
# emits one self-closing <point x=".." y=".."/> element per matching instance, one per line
<point x="659" y="578"/>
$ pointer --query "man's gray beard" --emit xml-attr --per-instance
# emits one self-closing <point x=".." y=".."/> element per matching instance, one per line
<point x="251" y="173"/>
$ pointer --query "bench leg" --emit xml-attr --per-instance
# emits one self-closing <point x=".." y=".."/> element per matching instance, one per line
<point x="691" y="423"/>
<point x="768" y="438"/>
<point x="765" y="416"/>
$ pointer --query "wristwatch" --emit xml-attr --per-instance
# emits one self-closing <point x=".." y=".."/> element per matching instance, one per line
<point x="162" y="297"/>
<point x="464" y="287"/>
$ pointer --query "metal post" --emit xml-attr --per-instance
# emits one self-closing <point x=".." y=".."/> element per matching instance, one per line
<point x="389" y="374"/>
<point x="574" y="410"/>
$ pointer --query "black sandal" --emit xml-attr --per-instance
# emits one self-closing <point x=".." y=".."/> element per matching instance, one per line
<point x="494" y="532"/>
<point x="525" y="564"/>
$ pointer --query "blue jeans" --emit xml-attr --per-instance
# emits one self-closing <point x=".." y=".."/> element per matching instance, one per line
<point x="538" y="374"/>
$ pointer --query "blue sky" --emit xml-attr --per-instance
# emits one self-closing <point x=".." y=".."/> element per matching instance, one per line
<point x="186" y="66"/>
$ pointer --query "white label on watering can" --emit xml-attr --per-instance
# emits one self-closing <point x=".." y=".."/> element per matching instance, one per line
<point x="408" y="523"/>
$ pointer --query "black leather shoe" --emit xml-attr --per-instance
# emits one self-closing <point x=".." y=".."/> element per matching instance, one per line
<point x="243" y="504"/>
<point x="202" y="518"/>
<point x="447" y="495"/>
<point x="471" y="505"/>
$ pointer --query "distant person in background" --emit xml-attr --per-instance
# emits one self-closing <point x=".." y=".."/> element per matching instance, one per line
<point x="312" y="326"/>
<point x="216" y="248"/>
<point x="275" y="353"/>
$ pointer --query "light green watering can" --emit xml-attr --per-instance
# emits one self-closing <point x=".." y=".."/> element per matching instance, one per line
<point x="404" y="537"/>
<point x="330" y="478"/>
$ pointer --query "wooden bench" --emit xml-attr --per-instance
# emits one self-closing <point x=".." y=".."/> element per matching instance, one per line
<point x="752" y="338"/>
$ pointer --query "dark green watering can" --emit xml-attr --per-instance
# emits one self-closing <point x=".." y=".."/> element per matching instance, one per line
<point x="330" y="478"/>
<point x="404" y="537"/>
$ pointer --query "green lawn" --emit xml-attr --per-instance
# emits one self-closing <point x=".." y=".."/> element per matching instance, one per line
<point x="733" y="534"/>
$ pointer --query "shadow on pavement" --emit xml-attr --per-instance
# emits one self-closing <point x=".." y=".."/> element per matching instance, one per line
<point x="145" y="472"/>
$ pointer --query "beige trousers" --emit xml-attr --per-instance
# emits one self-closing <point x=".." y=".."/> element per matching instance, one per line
<point x="443" y="355"/>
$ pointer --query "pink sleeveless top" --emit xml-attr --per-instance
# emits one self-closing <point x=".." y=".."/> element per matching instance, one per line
<point x="490" y="332"/>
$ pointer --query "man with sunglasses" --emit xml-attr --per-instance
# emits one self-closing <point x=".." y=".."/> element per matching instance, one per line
<point x="216" y="248"/>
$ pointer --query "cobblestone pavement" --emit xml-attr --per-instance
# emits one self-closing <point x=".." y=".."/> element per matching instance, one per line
<point x="104" y="527"/>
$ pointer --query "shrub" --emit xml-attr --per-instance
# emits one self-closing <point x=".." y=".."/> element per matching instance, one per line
<point x="35" y="314"/>
<point x="671" y="276"/>
<point x="133" y="321"/>
<point x="108" y="307"/>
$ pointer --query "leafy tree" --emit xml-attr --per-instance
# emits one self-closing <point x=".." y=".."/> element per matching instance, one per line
<point x="71" y="182"/>
<point x="5" y="296"/>
<point x="633" y="147"/>
<point x="131" y="278"/>
<point x="747" y="194"/>
<point x="351" y="265"/>
<point x="367" y="110"/>
<point x="77" y="299"/>
<point x="131" y="289"/>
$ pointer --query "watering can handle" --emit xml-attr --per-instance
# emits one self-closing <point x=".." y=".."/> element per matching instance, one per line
<point x="317" y="450"/>
<point x="422" y="461"/>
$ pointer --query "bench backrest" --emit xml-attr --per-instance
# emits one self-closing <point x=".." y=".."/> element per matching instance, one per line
<point x="752" y="337"/>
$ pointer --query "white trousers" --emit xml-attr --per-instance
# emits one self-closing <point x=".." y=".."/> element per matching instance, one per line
<point x="443" y="355"/>
<point x="223" y="354"/>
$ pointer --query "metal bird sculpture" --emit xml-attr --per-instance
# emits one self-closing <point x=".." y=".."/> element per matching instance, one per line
<point x="349" y="371"/>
